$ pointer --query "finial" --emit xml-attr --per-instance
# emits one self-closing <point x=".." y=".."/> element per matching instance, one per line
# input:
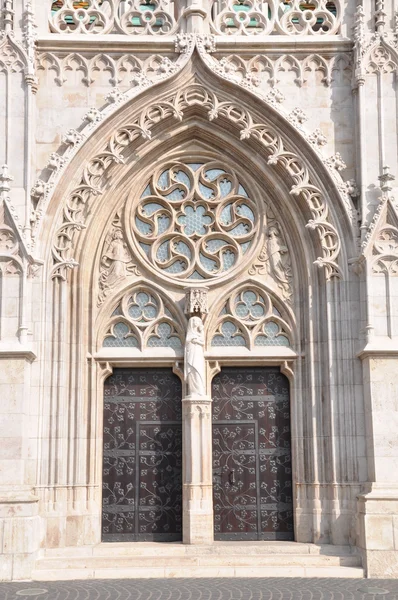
<point x="7" y="14"/>
<point x="384" y="179"/>
<point x="5" y="179"/>
<point x="196" y="301"/>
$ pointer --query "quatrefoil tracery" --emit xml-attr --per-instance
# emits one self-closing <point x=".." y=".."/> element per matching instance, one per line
<point x="194" y="220"/>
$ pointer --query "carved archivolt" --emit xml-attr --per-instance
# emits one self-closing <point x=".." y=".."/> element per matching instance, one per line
<point x="248" y="319"/>
<point x="255" y="17"/>
<point x="78" y="203"/>
<point x="194" y="221"/>
<point x="131" y="17"/>
<point x="143" y="319"/>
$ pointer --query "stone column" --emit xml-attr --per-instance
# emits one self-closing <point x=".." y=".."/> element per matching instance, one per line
<point x="195" y="14"/>
<point x="197" y="447"/>
<point x="197" y="471"/>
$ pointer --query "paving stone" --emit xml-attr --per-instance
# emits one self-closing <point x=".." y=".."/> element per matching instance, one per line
<point x="205" y="589"/>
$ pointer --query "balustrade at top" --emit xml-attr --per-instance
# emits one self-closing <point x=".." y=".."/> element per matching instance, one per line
<point x="226" y="17"/>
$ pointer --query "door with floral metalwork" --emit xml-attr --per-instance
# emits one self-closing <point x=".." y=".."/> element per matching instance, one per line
<point x="142" y="456"/>
<point x="252" y="474"/>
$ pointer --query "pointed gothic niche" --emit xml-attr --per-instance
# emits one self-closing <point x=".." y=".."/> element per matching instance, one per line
<point x="381" y="253"/>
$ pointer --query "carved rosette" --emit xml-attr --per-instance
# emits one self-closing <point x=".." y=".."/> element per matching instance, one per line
<point x="194" y="221"/>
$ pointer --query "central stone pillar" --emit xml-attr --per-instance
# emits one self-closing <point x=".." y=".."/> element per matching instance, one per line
<point x="197" y="471"/>
<point x="196" y="427"/>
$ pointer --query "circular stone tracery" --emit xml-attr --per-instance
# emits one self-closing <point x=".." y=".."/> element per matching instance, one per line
<point x="194" y="221"/>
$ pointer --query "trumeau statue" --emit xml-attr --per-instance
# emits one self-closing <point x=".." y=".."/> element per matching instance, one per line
<point x="194" y="359"/>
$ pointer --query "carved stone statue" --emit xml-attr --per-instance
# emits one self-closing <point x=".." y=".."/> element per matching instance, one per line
<point x="116" y="257"/>
<point x="279" y="260"/>
<point x="194" y="366"/>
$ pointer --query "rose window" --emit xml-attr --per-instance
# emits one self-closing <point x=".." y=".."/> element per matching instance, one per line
<point x="194" y="221"/>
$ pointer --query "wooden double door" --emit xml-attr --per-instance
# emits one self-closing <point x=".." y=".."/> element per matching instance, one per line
<point x="142" y="455"/>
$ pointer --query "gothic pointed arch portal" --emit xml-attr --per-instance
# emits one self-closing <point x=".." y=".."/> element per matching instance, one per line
<point x="193" y="186"/>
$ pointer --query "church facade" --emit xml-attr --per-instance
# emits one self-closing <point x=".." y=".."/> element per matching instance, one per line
<point x="198" y="277"/>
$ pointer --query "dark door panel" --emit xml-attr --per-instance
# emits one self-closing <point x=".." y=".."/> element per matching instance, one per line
<point x="252" y="478"/>
<point x="142" y="457"/>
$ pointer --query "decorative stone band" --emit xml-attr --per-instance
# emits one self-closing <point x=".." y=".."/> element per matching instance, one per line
<point x="226" y="17"/>
<point x="129" y="17"/>
<point x="274" y="17"/>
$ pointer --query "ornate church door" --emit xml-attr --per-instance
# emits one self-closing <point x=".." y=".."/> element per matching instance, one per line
<point x="142" y="456"/>
<point x="252" y="474"/>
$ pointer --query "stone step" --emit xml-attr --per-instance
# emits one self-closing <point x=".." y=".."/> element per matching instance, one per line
<point x="221" y="559"/>
<point x="207" y="560"/>
<point x="189" y="572"/>
<point x="178" y="549"/>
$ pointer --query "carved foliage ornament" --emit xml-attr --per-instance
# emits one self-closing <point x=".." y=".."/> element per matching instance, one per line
<point x="249" y="319"/>
<point x="194" y="221"/>
<point x="142" y="320"/>
<point x="290" y="17"/>
<point x="79" y="203"/>
<point x="131" y="17"/>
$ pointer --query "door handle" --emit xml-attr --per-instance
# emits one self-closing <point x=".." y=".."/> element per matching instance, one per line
<point x="231" y="477"/>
